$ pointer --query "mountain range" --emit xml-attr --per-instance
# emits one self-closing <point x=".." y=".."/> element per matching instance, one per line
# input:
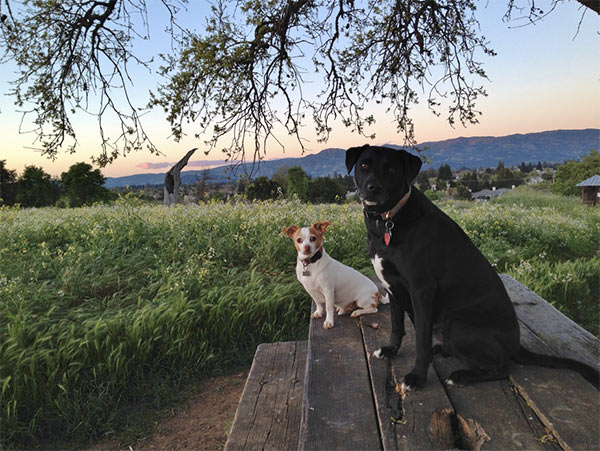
<point x="485" y="151"/>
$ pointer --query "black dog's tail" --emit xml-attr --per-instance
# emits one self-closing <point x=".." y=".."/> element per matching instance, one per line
<point x="531" y="358"/>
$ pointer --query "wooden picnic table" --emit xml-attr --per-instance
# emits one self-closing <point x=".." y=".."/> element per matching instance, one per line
<point x="330" y="393"/>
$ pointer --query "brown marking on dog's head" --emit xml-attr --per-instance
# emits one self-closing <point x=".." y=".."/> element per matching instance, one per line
<point x="320" y="227"/>
<point x="290" y="231"/>
<point x="308" y="240"/>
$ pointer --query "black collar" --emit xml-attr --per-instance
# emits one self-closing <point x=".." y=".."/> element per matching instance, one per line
<point x="316" y="256"/>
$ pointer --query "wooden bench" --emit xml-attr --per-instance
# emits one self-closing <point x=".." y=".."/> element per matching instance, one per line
<point x="330" y="393"/>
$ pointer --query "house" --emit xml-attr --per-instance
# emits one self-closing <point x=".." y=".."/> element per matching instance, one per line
<point x="590" y="190"/>
<point x="487" y="194"/>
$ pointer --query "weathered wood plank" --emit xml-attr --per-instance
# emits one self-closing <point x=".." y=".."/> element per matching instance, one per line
<point x="376" y="331"/>
<point x="338" y="411"/>
<point x="492" y="412"/>
<point x="562" y="335"/>
<point x="410" y="421"/>
<point x="428" y="412"/>
<point x="269" y="412"/>
<point x="567" y="404"/>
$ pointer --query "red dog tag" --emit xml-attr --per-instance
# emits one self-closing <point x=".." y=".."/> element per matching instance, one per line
<point x="387" y="236"/>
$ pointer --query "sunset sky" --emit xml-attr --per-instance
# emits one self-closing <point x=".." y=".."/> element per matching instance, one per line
<point x="543" y="78"/>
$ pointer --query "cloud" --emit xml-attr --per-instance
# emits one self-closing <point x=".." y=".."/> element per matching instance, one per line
<point x="166" y="164"/>
<point x="202" y="163"/>
<point x="154" y="165"/>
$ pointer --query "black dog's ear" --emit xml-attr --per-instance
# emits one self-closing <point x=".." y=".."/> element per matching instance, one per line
<point x="352" y="155"/>
<point x="412" y="165"/>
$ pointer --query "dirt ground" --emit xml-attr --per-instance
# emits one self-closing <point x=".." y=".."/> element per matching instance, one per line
<point x="201" y="423"/>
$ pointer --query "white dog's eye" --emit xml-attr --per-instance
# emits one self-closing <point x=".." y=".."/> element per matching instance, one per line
<point x="313" y="238"/>
<point x="299" y="240"/>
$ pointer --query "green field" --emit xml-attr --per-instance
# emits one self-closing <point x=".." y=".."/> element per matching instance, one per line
<point x="103" y="307"/>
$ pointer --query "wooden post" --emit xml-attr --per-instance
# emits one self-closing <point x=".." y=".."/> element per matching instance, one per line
<point x="173" y="180"/>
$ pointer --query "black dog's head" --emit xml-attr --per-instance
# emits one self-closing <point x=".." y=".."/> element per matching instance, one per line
<point x="382" y="175"/>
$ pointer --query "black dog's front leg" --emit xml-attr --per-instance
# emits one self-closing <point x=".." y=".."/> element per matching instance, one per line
<point x="423" y="322"/>
<point x="397" y="316"/>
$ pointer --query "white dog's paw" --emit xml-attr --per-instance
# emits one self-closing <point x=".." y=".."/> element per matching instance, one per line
<point x="328" y="324"/>
<point x="317" y="314"/>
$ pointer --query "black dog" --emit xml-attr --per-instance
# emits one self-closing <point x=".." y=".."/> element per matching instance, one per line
<point x="436" y="274"/>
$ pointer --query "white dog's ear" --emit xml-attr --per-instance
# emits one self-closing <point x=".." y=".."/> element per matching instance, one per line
<point x="290" y="231"/>
<point x="321" y="226"/>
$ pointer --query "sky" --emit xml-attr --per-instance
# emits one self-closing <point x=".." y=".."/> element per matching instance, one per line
<point x="545" y="76"/>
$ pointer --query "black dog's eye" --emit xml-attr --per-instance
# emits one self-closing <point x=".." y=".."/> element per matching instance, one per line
<point x="364" y="166"/>
<point x="313" y="238"/>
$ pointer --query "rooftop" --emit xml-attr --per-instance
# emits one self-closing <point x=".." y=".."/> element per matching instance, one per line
<point x="592" y="181"/>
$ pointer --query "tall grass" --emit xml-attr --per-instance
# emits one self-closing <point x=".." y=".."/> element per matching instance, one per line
<point x="99" y="305"/>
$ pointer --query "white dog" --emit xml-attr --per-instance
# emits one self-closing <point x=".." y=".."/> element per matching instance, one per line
<point x="328" y="281"/>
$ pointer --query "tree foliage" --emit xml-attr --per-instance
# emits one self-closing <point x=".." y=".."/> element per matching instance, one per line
<point x="297" y="183"/>
<point x="36" y="188"/>
<point x="83" y="186"/>
<point x="75" y="55"/>
<point x="242" y="79"/>
<point x="8" y="178"/>
<point x="326" y="190"/>
<point x="573" y="172"/>
<point x="262" y="189"/>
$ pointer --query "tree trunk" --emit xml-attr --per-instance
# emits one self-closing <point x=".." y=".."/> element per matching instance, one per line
<point x="173" y="180"/>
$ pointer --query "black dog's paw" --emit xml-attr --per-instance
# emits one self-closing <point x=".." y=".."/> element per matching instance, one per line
<point x="458" y="378"/>
<point x="440" y="350"/>
<point x="386" y="352"/>
<point x="412" y="381"/>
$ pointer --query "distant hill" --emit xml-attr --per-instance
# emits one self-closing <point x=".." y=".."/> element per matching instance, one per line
<point x="485" y="151"/>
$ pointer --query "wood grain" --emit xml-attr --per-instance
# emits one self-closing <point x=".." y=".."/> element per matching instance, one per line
<point x="269" y="412"/>
<point x="338" y="412"/>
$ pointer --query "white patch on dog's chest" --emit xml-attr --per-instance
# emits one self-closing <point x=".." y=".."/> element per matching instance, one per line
<point x="378" y="265"/>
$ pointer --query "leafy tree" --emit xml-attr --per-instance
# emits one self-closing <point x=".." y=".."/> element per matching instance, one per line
<point x="444" y="175"/>
<point x="461" y="192"/>
<point x="347" y="182"/>
<point x="262" y="189"/>
<point x="280" y="177"/>
<point x="505" y="178"/>
<point x="422" y="181"/>
<point x="75" y="55"/>
<point x="526" y="168"/>
<point x="444" y="172"/>
<point x="199" y="188"/>
<point x="326" y="190"/>
<point x="471" y="181"/>
<point x="297" y="183"/>
<point x="573" y="172"/>
<point x="8" y="178"/>
<point x="36" y="188"/>
<point x="82" y="186"/>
